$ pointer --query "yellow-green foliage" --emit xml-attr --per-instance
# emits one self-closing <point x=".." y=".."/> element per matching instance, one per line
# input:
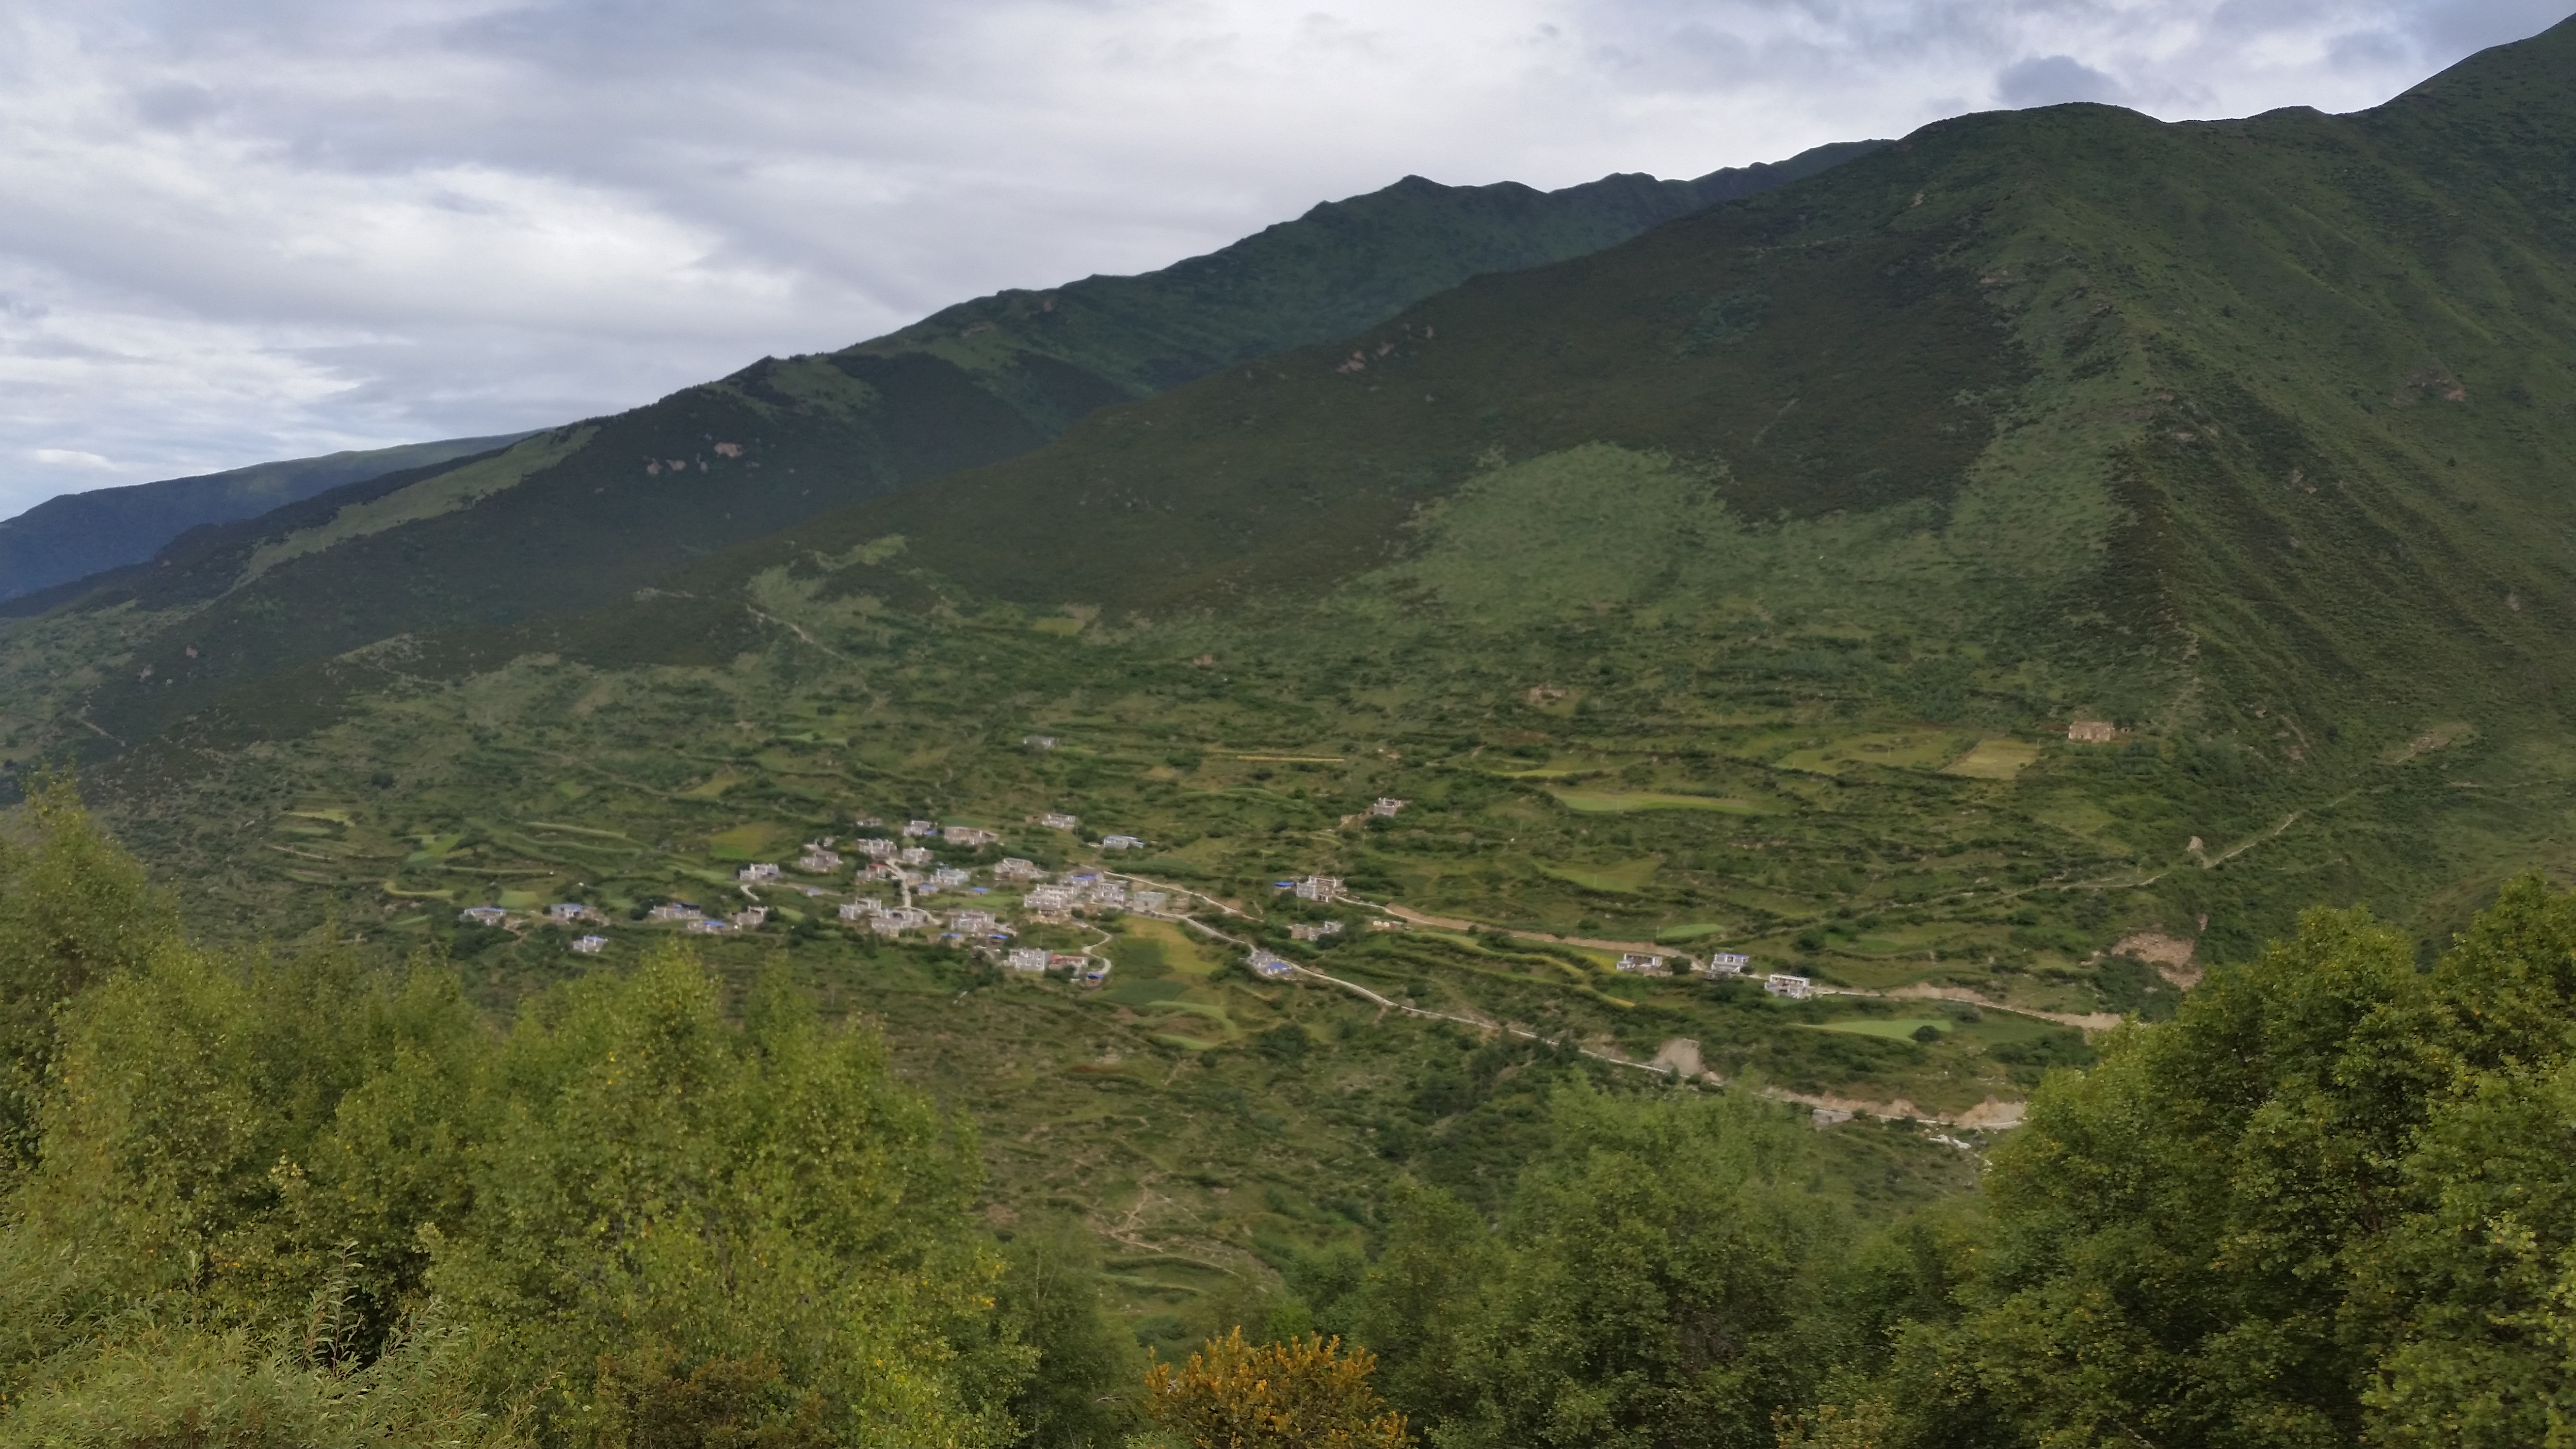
<point x="1304" y="1394"/>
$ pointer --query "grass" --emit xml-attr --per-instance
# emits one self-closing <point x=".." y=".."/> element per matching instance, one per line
<point x="1616" y="802"/>
<point x="1995" y="760"/>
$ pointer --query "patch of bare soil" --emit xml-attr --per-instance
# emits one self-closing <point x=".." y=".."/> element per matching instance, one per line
<point x="2170" y="955"/>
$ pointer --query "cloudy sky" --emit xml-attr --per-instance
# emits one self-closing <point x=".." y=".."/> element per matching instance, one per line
<point x="233" y="230"/>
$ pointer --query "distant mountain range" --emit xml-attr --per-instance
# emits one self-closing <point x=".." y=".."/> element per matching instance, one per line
<point x="78" y="534"/>
<point x="576" y="516"/>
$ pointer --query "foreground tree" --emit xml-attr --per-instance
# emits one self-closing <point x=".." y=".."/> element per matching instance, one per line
<point x="1307" y="1393"/>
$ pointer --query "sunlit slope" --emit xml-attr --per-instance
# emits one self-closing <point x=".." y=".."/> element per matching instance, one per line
<point x="644" y="493"/>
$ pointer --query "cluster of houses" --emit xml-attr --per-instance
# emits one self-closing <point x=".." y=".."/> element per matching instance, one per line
<point x="1720" y="966"/>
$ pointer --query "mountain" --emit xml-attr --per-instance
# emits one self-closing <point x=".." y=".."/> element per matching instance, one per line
<point x="581" y="515"/>
<point x="78" y="534"/>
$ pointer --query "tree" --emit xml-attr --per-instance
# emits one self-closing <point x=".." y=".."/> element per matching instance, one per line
<point x="1303" y="1394"/>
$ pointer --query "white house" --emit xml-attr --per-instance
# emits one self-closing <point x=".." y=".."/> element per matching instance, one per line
<point x="1386" y="805"/>
<point x="1318" y="888"/>
<point x="1643" y="963"/>
<point x="1016" y="869"/>
<point x="705" y="927"/>
<point x="673" y="911"/>
<point x="1121" y="842"/>
<point x="877" y="849"/>
<point x="1038" y="742"/>
<point x="1028" y="958"/>
<point x="754" y="874"/>
<point x="818" y="861"/>
<point x="859" y="910"/>
<point x="1151" y="903"/>
<point x="1796" y="988"/>
<point x="920" y="829"/>
<point x="483" y="915"/>
<point x="590" y="945"/>
<point x="949" y="877"/>
<point x="913" y="855"/>
<point x="1265" y="964"/>
<point x="972" y="923"/>
<point x="1725" y="963"/>
<point x="1108" y="895"/>
<point x="1314" y="931"/>
<point x="1047" y="901"/>
<point x="750" y="918"/>
<point x="867" y="822"/>
<point x="564" y="913"/>
<point x="968" y="835"/>
<point x="1058" y="820"/>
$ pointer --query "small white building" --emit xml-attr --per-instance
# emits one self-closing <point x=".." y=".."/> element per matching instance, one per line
<point x="1048" y="901"/>
<point x="1796" y="988"/>
<point x="949" y="877"/>
<point x="483" y="915"/>
<point x="750" y="918"/>
<point x="895" y="920"/>
<point x="876" y="849"/>
<point x="706" y="927"/>
<point x="818" y="861"/>
<point x="920" y="829"/>
<point x="1642" y="963"/>
<point x="565" y="913"/>
<point x="754" y="874"/>
<point x="1152" y="903"/>
<point x="1032" y="959"/>
<point x="673" y="911"/>
<point x="1121" y="842"/>
<point x="859" y="910"/>
<point x="913" y="855"/>
<point x="1318" y="888"/>
<point x="1016" y="869"/>
<point x="1108" y="895"/>
<point x="970" y="836"/>
<point x="1040" y="743"/>
<point x="1725" y="963"/>
<point x="1058" y="820"/>
<point x="867" y="822"/>
<point x="591" y="945"/>
<point x="972" y="923"/>
<point x="1387" y="806"/>
<point x="1265" y="964"/>
<point x="1314" y="930"/>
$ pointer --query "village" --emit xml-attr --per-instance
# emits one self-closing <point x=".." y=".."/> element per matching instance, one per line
<point x="920" y="880"/>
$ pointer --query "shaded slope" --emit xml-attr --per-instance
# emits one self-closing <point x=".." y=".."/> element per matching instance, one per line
<point x="78" y="534"/>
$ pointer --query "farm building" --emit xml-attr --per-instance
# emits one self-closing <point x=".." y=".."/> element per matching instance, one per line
<point x="1795" y="988"/>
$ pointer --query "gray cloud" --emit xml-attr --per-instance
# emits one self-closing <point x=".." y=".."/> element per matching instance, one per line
<point x="272" y="227"/>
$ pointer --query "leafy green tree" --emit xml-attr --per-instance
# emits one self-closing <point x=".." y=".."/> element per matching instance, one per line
<point x="665" y="1192"/>
<point x="1080" y="1391"/>
<point x="74" y="909"/>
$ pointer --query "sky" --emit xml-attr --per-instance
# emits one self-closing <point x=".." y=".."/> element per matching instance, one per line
<point x="236" y="230"/>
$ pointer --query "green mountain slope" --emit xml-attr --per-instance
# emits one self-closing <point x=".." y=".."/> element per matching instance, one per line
<point x="1993" y="579"/>
<point x="78" y="534"/>
<point x="638" y="495"/>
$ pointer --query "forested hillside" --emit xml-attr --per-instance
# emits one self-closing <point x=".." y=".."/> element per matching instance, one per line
<point x="584" y="514"/>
